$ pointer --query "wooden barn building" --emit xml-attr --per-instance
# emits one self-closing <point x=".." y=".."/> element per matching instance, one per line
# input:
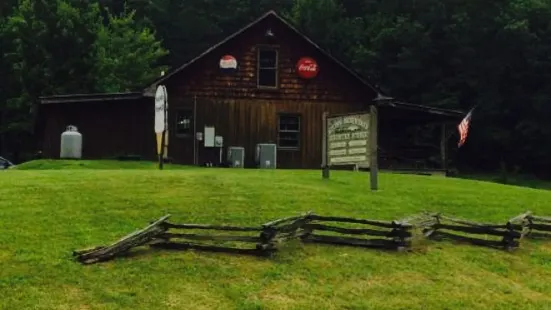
<point x="282" y="85"/>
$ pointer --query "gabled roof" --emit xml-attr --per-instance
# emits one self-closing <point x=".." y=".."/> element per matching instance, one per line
<point x="150" y="90"/>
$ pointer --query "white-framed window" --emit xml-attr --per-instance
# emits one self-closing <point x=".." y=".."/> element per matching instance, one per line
<point x="267" y="68"/>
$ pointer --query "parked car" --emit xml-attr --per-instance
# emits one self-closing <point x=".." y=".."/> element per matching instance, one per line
<point x="5" y="164"/>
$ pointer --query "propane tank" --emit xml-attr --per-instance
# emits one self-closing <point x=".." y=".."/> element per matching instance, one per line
<point x="71" y="143"/>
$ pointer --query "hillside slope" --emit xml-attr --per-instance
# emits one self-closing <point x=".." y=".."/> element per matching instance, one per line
<point x="45" y="214"/>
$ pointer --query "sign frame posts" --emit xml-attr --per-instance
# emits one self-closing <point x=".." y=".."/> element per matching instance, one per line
<point x="162" y="154"/>
<point x="374" y="154"/>
<point x="324" y="148"/>
<point x="351" y="140"/>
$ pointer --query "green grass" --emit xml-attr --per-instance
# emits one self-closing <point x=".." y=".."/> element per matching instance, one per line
<point x="45" y="214"/>
<point x="50" y="164"/>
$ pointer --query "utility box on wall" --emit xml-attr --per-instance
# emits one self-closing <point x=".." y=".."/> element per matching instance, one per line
<point x="236" y="156"/>
<point x="266" y="155"/>
<point x="218" y="141"/>
<point x="209" y="136"/>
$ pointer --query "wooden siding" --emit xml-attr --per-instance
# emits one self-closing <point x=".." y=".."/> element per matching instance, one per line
<point x="246" y="123"/>
<point x="108" y="129"/>
<point x="246" y="115"/>
<point x="333" y="83"/>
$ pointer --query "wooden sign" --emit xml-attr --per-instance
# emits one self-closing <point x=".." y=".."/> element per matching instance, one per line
<point x="351" y="140"/>
<point x="348" y="140"/>
<point x="161" y="126"/>
<point x="307" y="68"/>
<point x="160" y="109"/>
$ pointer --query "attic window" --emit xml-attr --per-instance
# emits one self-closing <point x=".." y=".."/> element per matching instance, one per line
<point x="267" y="74"/>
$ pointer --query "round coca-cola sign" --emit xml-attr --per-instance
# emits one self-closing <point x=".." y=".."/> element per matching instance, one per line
<point x="307" y="68"/>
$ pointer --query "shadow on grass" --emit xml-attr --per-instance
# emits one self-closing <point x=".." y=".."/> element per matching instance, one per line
<point x="145" y="251"/>
<point x="513" y="180"/>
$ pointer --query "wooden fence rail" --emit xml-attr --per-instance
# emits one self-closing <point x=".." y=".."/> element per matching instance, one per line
<point x="448" y="228"/>
<point x="537" y="227"/>
<point x="312" y="228"/>
<point x="216" y="238"/>
<point x="394" y="235"/>
<point x="140" y="237"/>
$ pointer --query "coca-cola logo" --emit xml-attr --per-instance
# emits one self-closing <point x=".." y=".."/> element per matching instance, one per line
<point x="307" y="68"/>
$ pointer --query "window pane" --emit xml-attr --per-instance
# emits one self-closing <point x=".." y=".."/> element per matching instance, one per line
<point x="290" y="136"/>
<point x="289" y="144"/>
<point x="267" y="77"/>
<point x="289" y="123"/>
<point x="267" y="58"/>
<point x="289" y="131"/>
<point x="183" y="122"/>
<point x="288" y="139"/>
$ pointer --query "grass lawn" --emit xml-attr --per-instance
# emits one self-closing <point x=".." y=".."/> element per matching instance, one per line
<point x="46" y="213"/>
<point x="50" y="164"/>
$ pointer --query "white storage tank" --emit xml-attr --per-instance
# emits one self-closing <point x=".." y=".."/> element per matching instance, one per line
<point x="71" y="143"/>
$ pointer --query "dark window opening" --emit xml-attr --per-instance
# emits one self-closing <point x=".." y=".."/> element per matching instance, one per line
<point x="267" y="68"/>
<point x="184" y="122"/>
<point x="288" y="135"/>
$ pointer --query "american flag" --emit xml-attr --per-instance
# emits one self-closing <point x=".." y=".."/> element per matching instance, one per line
<point x="463" y="128"/>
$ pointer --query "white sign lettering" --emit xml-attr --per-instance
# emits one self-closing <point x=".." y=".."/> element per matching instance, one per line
<point x="308" y="67"/>
<point x="348" y="138"/>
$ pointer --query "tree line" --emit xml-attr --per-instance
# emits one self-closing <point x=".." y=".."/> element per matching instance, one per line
<point x="445" y="53"/>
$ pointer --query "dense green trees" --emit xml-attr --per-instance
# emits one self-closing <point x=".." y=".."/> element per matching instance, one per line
<point x="67" y="46"/>
<point x="448" y="53"/>
<point x="126" y="56"/>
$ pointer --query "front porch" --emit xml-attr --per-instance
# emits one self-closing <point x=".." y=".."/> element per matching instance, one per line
<point x="415" y="139"/>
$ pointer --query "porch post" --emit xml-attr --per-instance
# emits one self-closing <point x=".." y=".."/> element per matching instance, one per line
<point x="443" y="147"/>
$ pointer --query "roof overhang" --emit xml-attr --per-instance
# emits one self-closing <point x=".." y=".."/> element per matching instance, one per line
<point x="422" y="108"/>
<point x="90" y="97"/>
<point x="427" y="111"/>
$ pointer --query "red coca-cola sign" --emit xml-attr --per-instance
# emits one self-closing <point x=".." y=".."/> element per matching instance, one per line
<point x="307" y="68"/>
